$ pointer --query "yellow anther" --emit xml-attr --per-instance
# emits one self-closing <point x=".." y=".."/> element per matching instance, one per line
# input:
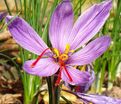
<point x="72" y="51"/>
<point x="67" y="49"/>
<point x="56" y="52"/>
<point x="63" y="57"/>
<point x="75" y="67"/>
<point x="83" y="68"/>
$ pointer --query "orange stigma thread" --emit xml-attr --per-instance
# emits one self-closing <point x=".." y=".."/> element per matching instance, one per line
<point x="59" y="77"/>
<point x="68" y="74"/>
<point x="39" y="57"/>
<point x="62" y="66"/>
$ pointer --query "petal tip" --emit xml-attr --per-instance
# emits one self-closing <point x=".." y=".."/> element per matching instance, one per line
<point x="11" y="21"/>
<point x="108" y="4"/>
<point x="108" y="39"/>
<point x="2" y="15"/>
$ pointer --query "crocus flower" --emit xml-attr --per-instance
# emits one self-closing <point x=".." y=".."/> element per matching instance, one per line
<point x="85" y="88"/>
<point x="2" y="15"/>
<point x="66" y="38"/>
<point x="97" y="99"/>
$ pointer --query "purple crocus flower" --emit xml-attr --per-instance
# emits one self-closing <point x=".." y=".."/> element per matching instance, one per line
<point x="66" y="39"/>
<point x="85" y="88"/>
<point x="97" y="99"/>
<point x="2" y="15"/>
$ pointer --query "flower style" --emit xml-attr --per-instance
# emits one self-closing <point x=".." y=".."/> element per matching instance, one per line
<point x="67" y="41"/>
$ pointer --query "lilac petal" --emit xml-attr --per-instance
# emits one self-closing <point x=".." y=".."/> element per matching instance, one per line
<point x="25" y="35"/>
<point x="89" y="23"/>
<point x="98" y="99"/>
<point x="45" y="67"/>
<point x="91" y="80"/>
<point x="85" y="88"/>
<point x="61" y="25"/>
<point x="90" y="52"/>
<point x="78" y="77"/>
<point x="2" y="15"/>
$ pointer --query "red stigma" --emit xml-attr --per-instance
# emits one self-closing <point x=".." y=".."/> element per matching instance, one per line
<point x="68" y="74"/>
<point x="39" y="57"/>
<point x="62" y="66"/>
<point x="77" y="89"/>
<point x="59" y="77"/>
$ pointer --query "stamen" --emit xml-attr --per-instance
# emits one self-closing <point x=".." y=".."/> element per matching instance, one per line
<point x="67" y="49"/>
<point x="83" y="68"/>
<point x="59" y="77"/>
<point x="56" y="51"/>
<point x="72" y="51"/>
<point x="39" y="57"/>
<point x="68" y="74"/>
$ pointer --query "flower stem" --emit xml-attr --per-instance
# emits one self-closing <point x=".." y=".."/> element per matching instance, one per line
<point x="50" y="90"/>
<point x="7" y="7"/>
<point x="57" y="93"/>
<point x="54" y="91"/>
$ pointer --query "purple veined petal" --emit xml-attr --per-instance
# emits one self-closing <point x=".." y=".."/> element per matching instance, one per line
<point x="78" y="77"/>
<point x="91" y="80"/>
<point x="85" y="88"/>
<point x="66" y="0"/>
<point x="25" y="35"/>
<point x="2" y="15"/>
<point x="90" y="52"/>
<point x="44" y="67"/>
<point x="89" y="23"/>
<point x="98" y="99"/>
<point x="61" y="24"/>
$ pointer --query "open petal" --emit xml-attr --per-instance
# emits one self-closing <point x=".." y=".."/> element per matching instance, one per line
<point x="78" y="77"/>
<point x="25" y="35"/>
<point x="91" y="80"/>
<point x="98" y="99"/>
<point x="85" y="88"/>
<point x="90" y="52"/>
<point x="89" y="23"/>
<point x="61" y="25"/>
<point x="45" y="67"/>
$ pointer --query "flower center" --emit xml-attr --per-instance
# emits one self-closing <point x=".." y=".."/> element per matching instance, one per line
<point x="62" y="56"/>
